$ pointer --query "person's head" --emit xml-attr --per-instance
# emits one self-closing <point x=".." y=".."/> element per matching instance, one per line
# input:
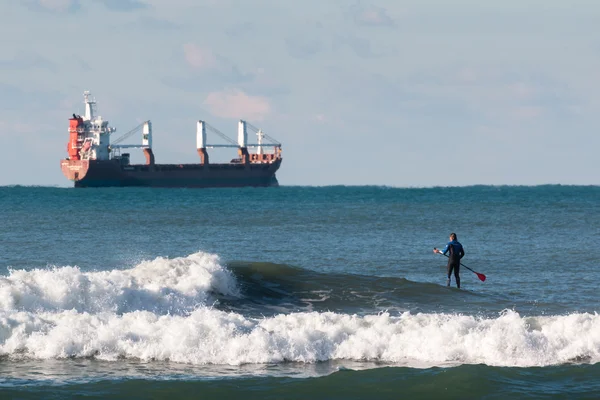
<point x="453" y="236"/>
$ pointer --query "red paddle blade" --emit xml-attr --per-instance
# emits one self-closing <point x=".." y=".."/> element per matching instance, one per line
<point x="481" y="276"/>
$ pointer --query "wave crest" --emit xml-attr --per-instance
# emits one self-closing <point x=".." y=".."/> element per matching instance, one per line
<point x="162" y="285"/>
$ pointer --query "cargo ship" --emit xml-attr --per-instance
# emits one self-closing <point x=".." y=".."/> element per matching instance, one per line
<point x="96" y="160"/>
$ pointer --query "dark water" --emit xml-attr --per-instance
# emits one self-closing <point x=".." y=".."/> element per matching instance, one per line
<point x="297" y="292"/>
<point x="467" y="381"/>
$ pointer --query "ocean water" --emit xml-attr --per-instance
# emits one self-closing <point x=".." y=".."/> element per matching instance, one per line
<point x="299" y="292"/>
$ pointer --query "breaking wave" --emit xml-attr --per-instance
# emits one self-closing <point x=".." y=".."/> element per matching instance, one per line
<point x="165" y="310"/>
<point x="209" y="336"/>
<point x="162" y="286"/>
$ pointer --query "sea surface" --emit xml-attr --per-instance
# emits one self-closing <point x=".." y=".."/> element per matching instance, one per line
<point x="299" y="292"/>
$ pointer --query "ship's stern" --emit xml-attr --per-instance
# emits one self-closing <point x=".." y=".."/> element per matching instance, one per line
<point x="74" y="170"/>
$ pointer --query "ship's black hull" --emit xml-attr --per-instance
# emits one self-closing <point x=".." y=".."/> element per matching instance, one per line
<point x="112" y="174"/>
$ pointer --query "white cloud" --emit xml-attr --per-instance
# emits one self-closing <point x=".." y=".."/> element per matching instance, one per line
<point x="374" y="16"/>
<point x="237" y="104"/>
<point x="199" y="57"/>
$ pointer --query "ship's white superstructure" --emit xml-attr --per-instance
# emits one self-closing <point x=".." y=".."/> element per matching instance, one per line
<point x="95" y="132"/>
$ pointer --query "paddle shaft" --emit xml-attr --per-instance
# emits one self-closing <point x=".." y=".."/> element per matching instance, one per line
<point x="479" y="275"/>
<point x="461" y="264"/>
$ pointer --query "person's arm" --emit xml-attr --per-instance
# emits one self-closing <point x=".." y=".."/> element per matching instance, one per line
<point x="436" y="250"/>
<point x="446" y="249"/>
<point x="462" y="252"/>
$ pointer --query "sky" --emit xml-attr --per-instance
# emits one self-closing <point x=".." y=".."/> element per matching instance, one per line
<point x="406" y="93"/>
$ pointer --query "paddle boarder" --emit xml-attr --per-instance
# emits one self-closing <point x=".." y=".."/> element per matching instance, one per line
<point x="456" y="253"/>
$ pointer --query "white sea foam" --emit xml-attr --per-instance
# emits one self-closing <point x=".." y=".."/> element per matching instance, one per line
<point x="162" y="286"/>
<point x="209" y="336"/>
<point x="161" y="310"/>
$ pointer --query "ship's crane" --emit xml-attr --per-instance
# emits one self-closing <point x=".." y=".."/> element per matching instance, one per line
<point x="137" y="130"/>
<point x="242" y="136"/>
<point x="146" y="130"/>
<point x="260" y="134"/>
<point x="242" y="144"/>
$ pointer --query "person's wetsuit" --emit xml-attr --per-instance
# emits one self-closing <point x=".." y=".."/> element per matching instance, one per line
<point x="456" y="253"/>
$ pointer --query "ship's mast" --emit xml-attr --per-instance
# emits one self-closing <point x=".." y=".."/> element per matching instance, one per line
<point x="260" y="136"/>
<point x="242" y="134"/>
<point x="201" y="142"/>
<point x="90" y="106"/>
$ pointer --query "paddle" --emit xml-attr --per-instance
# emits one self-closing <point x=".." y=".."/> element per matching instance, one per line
<point x="480" y="276"/>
